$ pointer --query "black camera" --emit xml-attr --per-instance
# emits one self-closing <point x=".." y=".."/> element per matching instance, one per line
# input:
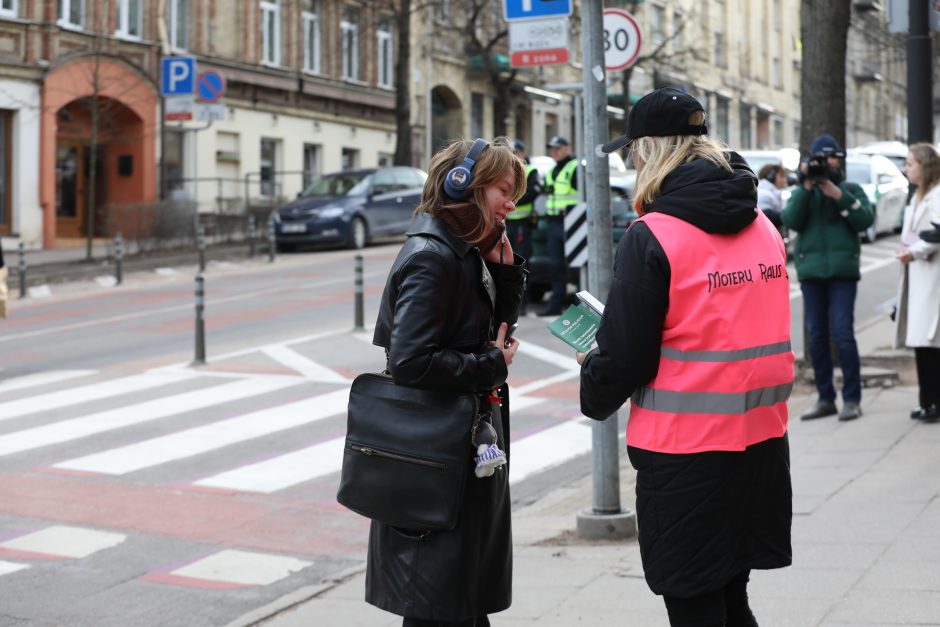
<point x="817" y="168"/>
<point x="818" y="164"/>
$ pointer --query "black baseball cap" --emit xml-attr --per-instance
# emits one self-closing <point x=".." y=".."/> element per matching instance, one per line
<point x="557" y="141"/>
<point x="662" y="113"/>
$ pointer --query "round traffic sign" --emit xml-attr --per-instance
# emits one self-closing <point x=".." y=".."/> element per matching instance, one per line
<point x="621" y="39"/>
<point x="210" y="86"/>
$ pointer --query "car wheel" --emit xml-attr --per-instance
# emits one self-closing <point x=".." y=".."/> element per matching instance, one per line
<point x="871" y="233"/>
<point x="358" y="233"/>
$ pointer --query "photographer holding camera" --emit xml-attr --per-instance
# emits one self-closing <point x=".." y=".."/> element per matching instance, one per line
<point x="829" y="213"/>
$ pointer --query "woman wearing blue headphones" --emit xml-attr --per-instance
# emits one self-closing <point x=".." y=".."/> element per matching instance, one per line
<point x="451" y="297"/>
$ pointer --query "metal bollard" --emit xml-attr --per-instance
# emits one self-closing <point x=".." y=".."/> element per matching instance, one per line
<point x="21" y="266"/>
<point x="360" y="326"/>
<point x="118" y="259"/>
<point x="200" y="322"/>
<point x="251" y="236"/>
<point x="271" y="243"/>
<point x="201" y="246"/>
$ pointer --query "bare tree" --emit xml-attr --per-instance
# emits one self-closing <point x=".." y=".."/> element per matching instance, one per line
<point x="485" y="35"/>
<point x="824" y="27"/>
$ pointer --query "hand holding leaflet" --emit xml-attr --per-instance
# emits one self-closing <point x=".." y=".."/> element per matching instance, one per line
<point x="578" y="325"/>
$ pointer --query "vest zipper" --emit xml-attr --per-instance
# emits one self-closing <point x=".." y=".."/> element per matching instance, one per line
<point x="401" y="458"/>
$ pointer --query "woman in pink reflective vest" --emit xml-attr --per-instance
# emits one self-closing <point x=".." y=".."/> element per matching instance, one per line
<point x="696" y="333"/>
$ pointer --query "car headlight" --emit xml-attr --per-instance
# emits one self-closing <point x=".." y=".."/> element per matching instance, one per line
<point x="330" y="212"/>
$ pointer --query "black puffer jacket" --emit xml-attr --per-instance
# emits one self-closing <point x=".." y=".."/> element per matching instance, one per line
<point x="703" y="517"/>
<point x="436" y="319"/>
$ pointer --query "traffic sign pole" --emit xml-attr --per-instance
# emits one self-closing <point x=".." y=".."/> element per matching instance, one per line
<point x="605" y="519"/>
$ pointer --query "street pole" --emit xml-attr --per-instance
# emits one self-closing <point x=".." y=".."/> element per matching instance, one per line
<point x="919" y="76"/>
<point x="606" y="519"/>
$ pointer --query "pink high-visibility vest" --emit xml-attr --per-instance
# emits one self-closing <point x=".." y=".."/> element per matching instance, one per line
<point x="726" y="368"/>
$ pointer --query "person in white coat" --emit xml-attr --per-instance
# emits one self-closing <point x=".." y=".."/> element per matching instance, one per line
<point x="918" y="314"/>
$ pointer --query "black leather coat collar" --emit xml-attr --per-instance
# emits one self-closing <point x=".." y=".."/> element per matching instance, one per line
<point x="426" y="224"/>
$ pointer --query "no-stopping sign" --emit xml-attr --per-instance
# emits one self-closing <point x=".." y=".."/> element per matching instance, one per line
<point x="621" y="39"/>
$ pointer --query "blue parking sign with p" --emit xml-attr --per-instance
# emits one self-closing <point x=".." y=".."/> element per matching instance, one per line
<point x="178" y="76"/>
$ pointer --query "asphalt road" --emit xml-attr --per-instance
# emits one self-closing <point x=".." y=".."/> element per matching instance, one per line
<point x="137" y="489"/>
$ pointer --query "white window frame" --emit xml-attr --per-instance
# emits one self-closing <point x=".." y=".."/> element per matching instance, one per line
<point x="350" y="49"/>
<point x="65" y="10"/>
<point x="311" y="30"/>
<point x="657" y="23"/>
<point x="123" y="18"/>
<point x="270" y="50"/>
<point x="174" y="22"/>
<point x="13" y="11"/>
<point x="385" y="43"/>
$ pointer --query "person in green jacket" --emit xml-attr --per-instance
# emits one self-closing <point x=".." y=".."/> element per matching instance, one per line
<point x="829" y="213"/>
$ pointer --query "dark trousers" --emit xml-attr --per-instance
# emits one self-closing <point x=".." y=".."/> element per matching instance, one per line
<point x="727" y="607"/>
<point x="928" y="375"/>
<point x="479" y="621"/>
<point x="556" y="252"/>
<point x="829" y="307"/>
<point x="520" y="236"/>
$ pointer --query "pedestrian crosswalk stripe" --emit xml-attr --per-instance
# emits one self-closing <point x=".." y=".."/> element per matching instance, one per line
<point x="566" y="361"/>
<point x="233" y="568"/>
<point x="547" y="449"/>
<point x="211" y="437"/>
<point x="307" y="367"/>
<point x="11" y="567"/>
<point x="533" y="453"/>
<point x="117" y="418"/>
<point x="86" y="393"/>
<point x="60" y="541"/>
<point x="283" y="471"/>
<point x="41" y="378"/>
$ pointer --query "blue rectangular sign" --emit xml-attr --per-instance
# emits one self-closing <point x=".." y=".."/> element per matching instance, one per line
<point x="178" y="76"/>
<point x="535" y="9"/>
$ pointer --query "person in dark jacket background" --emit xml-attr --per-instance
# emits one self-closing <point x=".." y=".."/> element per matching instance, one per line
<point x="451" y="295"/>
<point x="696" y="330"/>
<point x="829" y="213"/>
<point x="521" y="222"/>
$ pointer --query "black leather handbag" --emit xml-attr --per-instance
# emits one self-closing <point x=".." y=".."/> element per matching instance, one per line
<point x="407" y="453"/>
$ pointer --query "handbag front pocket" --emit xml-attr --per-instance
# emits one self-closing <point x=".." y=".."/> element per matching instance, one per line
<point x="407" y="459"/>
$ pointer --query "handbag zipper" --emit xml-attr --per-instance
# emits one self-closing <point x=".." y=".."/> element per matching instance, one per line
<point x="401" y="458"/>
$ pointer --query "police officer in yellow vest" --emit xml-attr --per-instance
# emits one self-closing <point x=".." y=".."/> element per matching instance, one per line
<point x="521" y="222"/>
<point x="561" y="185"/>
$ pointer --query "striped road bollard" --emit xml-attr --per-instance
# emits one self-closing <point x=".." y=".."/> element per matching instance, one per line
<point x="359" y="306"/>
<point x="118" y="259"/>
<point x="200" y="322"/>
<point x="21" y="266"/>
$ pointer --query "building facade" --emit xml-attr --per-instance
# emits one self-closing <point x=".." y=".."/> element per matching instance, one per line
<point x="310" y="87"/>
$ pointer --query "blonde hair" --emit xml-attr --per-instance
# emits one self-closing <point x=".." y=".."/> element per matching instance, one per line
<point x="657" y="157"/>
<point x="491" y="167"/>
<point x="929" y="160"/>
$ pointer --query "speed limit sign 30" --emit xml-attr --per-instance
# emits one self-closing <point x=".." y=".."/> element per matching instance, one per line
<point x="621" y="39"/>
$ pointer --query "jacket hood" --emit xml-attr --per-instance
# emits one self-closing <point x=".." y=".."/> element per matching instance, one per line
<point x="709" y="197"/>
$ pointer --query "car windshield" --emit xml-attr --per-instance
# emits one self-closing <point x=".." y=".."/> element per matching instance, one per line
<point x="339" y="184"/>
<point x="858" y="172"/>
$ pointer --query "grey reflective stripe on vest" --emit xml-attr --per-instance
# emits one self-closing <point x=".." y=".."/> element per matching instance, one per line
<point x="727" y="356"/>
<point x="673" y="402"/>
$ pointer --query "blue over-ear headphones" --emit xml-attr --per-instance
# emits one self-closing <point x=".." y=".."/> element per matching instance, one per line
<point x="457" y="182"/>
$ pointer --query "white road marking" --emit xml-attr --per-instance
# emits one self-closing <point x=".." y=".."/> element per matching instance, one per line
<point x="211" y="437"/>
<point x="548" y="448"/>
<point x="59" y="540"/>
<point x="283" y="471"/>
<point x="83" y="394"/>
<point x="119" y="417"/>
<point x="242" y="567"/>
<point x="11" y="567"/>
<point x="307" y="367"/>
<point x="561" y="360"/>
<point x="41" y="378"/>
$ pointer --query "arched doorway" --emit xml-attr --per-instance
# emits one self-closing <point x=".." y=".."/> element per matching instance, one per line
<point x="447" y="120"/>
<point x="97" y="148"/>
<point x="97" y="144"/>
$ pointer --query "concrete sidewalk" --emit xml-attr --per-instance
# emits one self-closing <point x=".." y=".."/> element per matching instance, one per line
<point x="866" y="538"/>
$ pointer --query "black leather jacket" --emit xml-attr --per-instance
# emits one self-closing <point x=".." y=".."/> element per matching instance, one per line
<point x="437" y="317"/>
